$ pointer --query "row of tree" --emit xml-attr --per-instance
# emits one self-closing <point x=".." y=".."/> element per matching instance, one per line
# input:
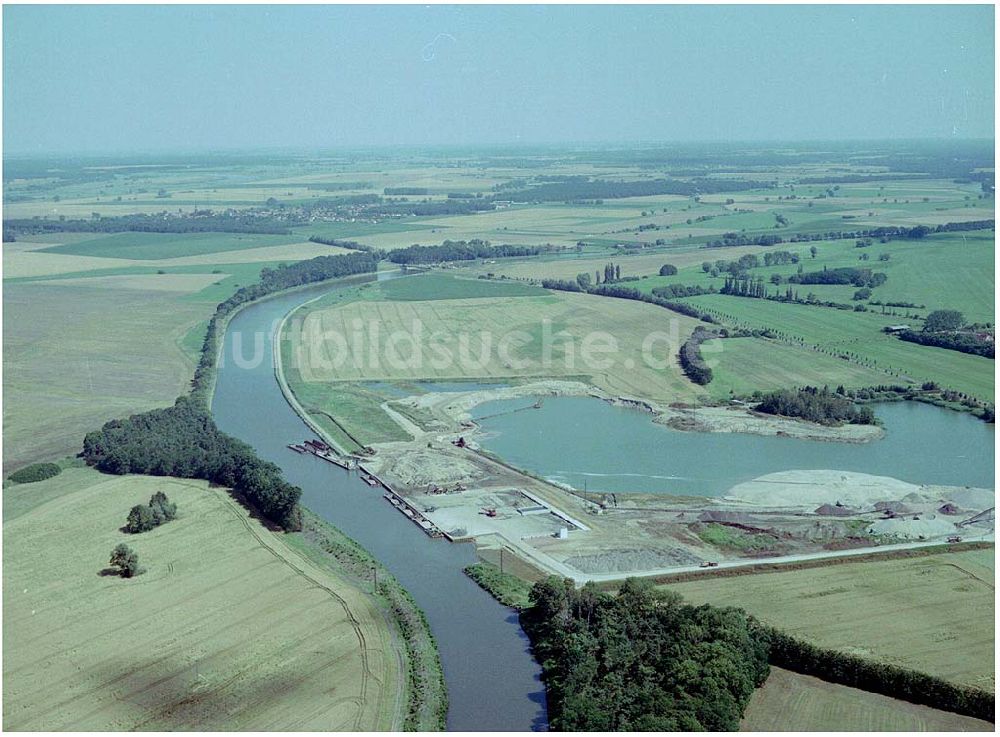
<point x="460" y="251"/>
<point x="350" y="245"/>
<point x="690" y="357"/>
<point x="641" y="660"/>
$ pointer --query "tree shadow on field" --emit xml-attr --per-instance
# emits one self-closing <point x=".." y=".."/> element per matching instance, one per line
<point x="110" y="572"/>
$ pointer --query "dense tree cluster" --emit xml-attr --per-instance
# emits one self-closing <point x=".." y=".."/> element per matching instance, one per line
<point x="690" y="357"/>
<point x="34" y="473"/>
<point x="668" y="270"/>
<point x="143" y="517"/>
<point x="744" y="286"/>
<point x="460" y="251"/>
<point x="641" y="660"/>
<point x="776" y="258"/>
<point x="787" y="651"/>
<point x="941" y="320"/>
<point x="964" y="342"/>
<point x="183" y="441"/>
<point x="816" y="405"/>
<point x="843" y="275"/>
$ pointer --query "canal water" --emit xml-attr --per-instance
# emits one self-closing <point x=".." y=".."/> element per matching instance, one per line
<point x="493" y="682"/>
<point x="588" y="443"/>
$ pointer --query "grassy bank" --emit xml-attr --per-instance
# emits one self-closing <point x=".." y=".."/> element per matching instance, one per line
<point x="427" y="699"/>
<point x="506" y="588"/>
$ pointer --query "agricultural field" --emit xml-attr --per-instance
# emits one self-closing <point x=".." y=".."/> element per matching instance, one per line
<point x="791" y="702"/>
<point x="76" y="356"/>
<point x="145" y="246"/>
<point x="934" y="613"/>
<point x="495" y="338"/>
<point x="228" y="628"/>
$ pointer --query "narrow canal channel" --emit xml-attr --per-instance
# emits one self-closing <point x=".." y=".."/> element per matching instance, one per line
<point x="493" y="682"/>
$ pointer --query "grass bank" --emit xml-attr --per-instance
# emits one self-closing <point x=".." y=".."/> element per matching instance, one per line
<point x="506" y="588"/>
<point x="427" y="698"/>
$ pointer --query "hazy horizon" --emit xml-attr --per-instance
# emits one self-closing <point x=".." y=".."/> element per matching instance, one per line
<point x="82" y="80"/>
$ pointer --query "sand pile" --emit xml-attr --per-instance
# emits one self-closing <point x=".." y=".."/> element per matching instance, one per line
<point x="812" y="488"/>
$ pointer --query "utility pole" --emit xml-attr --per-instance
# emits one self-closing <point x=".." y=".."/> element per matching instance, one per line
<point x="501" y="559"/>
<point x="375" y="574"/>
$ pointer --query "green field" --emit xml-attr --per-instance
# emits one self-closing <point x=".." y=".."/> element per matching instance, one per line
<point x="155" y="246"/>
<point x="741" y="366"/>
<point x="933" y="613"/>
<point x="791" y="702"/>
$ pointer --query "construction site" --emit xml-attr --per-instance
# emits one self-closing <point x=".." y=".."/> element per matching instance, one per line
<point x="448" y="485"/>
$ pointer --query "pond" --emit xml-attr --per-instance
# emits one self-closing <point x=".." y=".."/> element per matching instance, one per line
<point x="590" y="444"/>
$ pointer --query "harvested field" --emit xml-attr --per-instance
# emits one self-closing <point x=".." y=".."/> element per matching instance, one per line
<point x="228" y="628"/>
<point x="791" y="702"/>
<point x="499" y="338"/>
<point x="76" y="357"/>
<point x="933" y="613"/>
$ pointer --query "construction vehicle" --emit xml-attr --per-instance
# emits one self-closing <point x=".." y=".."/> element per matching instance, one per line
<point x="488" y="511"/>
<point x="954" y="538"/>
<point x="709" y="564"/>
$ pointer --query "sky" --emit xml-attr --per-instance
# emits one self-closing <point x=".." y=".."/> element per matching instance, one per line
<point x="95" y="79"/>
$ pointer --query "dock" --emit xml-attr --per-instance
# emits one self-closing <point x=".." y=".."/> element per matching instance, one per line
<point x="323" y="451"/>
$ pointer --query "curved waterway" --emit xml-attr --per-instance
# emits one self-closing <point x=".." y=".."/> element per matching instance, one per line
<point x="493" y="682"/>
<point x="590" y="444"/>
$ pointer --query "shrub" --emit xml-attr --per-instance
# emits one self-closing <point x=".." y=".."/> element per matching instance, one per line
<point x="35" y="472"/>
<point x="670" y="269"/>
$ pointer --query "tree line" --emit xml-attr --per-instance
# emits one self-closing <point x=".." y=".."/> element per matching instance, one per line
<point x="961" y="342"/>
<point x="460" y="251"/>
<point x="337" y="243"/>
<point x="787" y="651"/>
<point x="641" y="660"/>
<point x="883" y="233"/>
